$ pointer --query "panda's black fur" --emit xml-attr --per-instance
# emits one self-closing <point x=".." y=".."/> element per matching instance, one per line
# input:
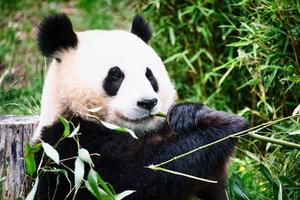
<point x="56" y="33"/>
<point x="123" y="159"/>
<point x="141" y="28"/>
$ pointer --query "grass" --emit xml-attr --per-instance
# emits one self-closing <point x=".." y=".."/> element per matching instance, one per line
<point x="237" y="56"/>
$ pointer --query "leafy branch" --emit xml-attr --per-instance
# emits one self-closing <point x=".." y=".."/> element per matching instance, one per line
<point x="251" y="132"/>
<point x="94" y="183"/>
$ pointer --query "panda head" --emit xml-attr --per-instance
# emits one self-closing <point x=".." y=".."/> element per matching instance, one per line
<point x="115" y="70"/>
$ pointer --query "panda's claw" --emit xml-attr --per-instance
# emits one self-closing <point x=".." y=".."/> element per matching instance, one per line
<point x="184" y="117"/>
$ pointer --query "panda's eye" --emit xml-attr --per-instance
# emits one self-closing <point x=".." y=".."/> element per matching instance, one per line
<point x="113" y="81"/>
<point x="152" y="79"/>
<point x="115" y="73"/>
<point x="149" y="74"/>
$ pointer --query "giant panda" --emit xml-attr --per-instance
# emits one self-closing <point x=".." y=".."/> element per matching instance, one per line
<point x="119" y="72"/>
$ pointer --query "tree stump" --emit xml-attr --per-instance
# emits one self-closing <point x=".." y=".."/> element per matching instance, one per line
<point x="15" y="132"/>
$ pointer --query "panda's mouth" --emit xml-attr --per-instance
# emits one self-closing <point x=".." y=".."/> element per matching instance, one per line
<point x="140" y="119"/>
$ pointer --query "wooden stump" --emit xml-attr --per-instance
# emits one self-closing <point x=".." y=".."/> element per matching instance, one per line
<point x="15" y="132"/>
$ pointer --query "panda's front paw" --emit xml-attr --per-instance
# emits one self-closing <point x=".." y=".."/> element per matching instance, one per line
<point x="184" y="117"/>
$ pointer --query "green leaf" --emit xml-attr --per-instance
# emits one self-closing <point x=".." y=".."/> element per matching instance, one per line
<point x="92" y="186"/>
<point x="225" y="75"/>
<point x="175" y="56"/>
<point x="124" y="194"/>
<point x="240" y="43"/>
<point x="296" y="132"/>
<point x="127" y="131"/>
<point x="91" y="189"/>
<point x="30" y="164"/>
<point x="296" y="110"/>
<point x="30" y="159"/>
<point x="189" y="64"/>
<point x="252" y="155"/>
<point x="294" y="78"/>
<point x="51" y="152"/>
<point x="237" y="188"/>
<point x="74" y="132"/>
<point x="275" y="182"/>
<point x="248" y="27"/>
<point x="172" y="35"/>
<point x="117" y="128"/>
<point x="104" y="185"/>
<point x="85" y="156"/>
<point x="32" y="192"/>
<point x="78" y="172"/>
<point x="66" y="125"/>
<point x="33" y="149"/>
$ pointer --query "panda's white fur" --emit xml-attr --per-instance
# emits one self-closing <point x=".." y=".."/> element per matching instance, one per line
<point x="75" y="85"/>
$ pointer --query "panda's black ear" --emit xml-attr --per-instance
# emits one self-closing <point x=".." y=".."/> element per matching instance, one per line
<point x="141" y="28"/>
<point x="55" y="33"/>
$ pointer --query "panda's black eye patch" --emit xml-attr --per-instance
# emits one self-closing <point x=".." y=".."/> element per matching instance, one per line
<point x="113" y="81"/>
<point x="152" y="79"/>
<point x="116" y="73"/>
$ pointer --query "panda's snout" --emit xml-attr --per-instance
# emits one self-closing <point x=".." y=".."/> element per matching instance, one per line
<point x="147" y="104"/>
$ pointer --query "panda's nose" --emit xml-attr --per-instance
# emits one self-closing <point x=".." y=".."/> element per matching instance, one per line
<point x="147" y="104"/>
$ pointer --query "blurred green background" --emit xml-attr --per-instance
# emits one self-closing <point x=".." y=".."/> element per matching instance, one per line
<point x="241" y="56"/>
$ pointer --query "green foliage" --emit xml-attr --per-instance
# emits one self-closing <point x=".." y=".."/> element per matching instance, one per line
<point x="94" y="183"/>
<point x="243" y="57"/>
<point x="234" y="55"/>
<point x="237" y="189"/>
<point x="30" y="159"/>
<point x="66" y="125"/>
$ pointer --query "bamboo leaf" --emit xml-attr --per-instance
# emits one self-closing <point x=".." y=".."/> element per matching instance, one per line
<point x="237" y="188"/>
<point x="297" y="132"/>
<point x="30" y="162"/>
<point x="93" y="186"/>
<point x="128" y="131"/>
<point x="225" y="75"/>
<point x="66" y="125"/>
<point x="74" y="132"/>
<point x="275" y="182"/>
<point x="102" y="183"/>
<point x="117" y="128"/>
<point x="85" y="156"/>
<point x="296" y="110"/>
<point x="124" y="194"/>
<point x="51" y="152"/>
<point x="175" y="56"/>
<point x="78" y="172"/>
<point x="171" y="35"/>
<point x="239" y="44"/>
<point x="33" y="190"/>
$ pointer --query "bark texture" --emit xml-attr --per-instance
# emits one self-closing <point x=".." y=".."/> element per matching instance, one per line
<point x="15" y="132"/>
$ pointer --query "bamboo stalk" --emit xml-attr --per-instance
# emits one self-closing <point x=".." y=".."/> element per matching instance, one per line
<point x="156" y="168"/>
<point x="275" y="141"/>
<point x="250" y="131"/>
